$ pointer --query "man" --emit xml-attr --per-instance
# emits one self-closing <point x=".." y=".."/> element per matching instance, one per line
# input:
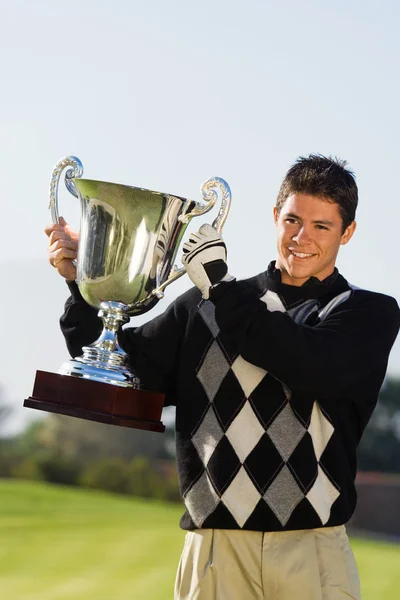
<point x="274" y="379"/>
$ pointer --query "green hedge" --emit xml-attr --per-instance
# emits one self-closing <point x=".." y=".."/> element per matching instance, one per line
<point x="137" y="477"/>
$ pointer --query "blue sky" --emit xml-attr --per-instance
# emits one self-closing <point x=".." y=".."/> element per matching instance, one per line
<point x="164" y="95"/>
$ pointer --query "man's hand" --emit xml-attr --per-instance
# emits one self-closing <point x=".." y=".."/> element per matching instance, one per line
<point x="63" y="248"/>
<point x="204" y="258"/>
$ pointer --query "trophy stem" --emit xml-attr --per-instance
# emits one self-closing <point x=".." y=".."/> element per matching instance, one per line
<point x="104" y="360"/>
<point x="113" y="316"/>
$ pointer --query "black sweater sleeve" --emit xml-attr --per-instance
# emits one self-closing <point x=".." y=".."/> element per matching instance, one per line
<point x="152" y="348"/>
<point x="354" y="340"/>
<point x="79" y="323"/>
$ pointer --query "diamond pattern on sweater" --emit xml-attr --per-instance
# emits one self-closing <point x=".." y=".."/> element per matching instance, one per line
<point x="248" y="375"/>
<point x="201" y="500"/>
<point x="264" y="455"/>
<point x="322" y="495"/>
<point x="301" y="313"/>
<point x="286" y="431"/>
<point x="226" y="411"/>
<point x="251" y="442"/>
<point x="213" y="370"/>
<point x="207" y="436"/>
<point x="245" y="432"/>
<point x="222" y="472"/>
<point x="207" y="311"/>
<point x="241" y="497"/>
<point x="283" y="495"/>
<point x="304" y="471"/>
<point x="268" y="399"/>
<point x="320" y="429"/>
<point x="273" y="302"/>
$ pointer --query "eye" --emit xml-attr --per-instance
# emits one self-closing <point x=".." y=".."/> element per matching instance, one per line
<point x="291" y="220"/>
<point x="322" y="227"/>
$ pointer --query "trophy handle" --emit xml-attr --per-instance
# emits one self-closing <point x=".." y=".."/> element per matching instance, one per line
<point x="210" y="196"/>
<point x="75" y="171"/>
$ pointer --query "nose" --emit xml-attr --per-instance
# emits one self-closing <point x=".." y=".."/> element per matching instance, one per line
<point x="303" y="235"/>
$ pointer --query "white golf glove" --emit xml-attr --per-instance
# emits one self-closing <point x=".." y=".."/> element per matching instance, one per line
<point x="204" y="258"/>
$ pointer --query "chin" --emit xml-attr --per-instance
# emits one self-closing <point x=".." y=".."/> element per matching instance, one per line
<point x="301" y="270"/>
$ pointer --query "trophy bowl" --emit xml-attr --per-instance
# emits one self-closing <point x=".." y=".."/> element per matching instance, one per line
<point x="128" y="241"/>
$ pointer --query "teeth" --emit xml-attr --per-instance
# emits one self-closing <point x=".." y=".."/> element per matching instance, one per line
<point x="300" y="254"/>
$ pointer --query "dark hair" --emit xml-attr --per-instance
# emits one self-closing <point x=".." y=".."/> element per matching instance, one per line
<point x="327" y="178"/>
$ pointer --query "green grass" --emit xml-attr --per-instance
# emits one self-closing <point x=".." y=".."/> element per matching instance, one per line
<point x="59" y="543"/>
<point x="379" y="566"/>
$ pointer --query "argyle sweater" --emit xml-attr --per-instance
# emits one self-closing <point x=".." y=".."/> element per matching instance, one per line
<point x="273" y="387"/>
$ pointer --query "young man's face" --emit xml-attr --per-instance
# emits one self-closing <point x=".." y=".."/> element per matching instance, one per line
<point x="310" y="233"/>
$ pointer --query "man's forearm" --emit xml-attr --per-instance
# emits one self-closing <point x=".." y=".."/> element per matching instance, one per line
<point x="308" y="358"/>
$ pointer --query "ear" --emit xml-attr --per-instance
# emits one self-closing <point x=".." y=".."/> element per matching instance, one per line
<point x="348" y="233"/>
<point x="276" y="215"/>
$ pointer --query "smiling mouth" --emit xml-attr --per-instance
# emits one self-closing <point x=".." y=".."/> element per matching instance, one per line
<point x="302" y="255"/>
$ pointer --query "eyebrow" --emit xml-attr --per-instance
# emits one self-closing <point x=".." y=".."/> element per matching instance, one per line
<point x="318" y="222"/>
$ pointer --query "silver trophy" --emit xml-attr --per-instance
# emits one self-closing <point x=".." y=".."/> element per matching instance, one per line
<point x="128" y="241"/>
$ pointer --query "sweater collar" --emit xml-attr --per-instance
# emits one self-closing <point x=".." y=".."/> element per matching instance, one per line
<point x="312" y="288"/>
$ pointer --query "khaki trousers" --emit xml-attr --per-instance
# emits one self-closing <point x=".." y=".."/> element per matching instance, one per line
<point x="314" y="564"/>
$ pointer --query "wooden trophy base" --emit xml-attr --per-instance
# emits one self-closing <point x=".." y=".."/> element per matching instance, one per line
<point x="103" y="402"/>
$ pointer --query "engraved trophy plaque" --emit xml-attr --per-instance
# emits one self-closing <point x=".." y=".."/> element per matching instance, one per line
<point x="128" y="241"/>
